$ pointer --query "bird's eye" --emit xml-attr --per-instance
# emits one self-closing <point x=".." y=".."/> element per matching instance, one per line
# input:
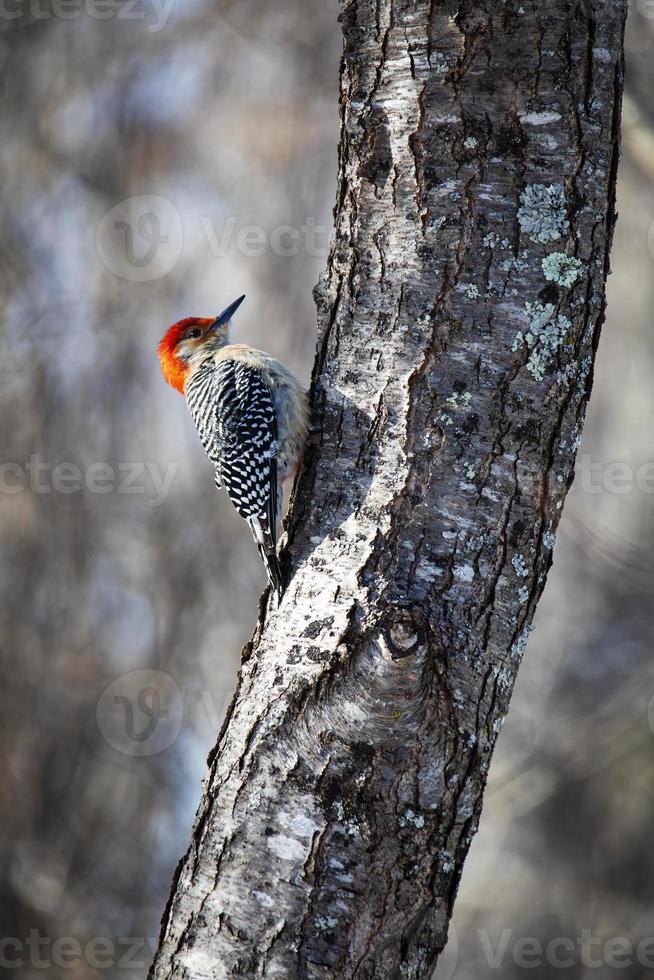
<point x="195" y="332"/>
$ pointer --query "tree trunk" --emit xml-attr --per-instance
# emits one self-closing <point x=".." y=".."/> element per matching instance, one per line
<point x="458" y="321"/>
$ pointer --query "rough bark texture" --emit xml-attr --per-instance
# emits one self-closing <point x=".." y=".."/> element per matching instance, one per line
<point x="458" y="321"/>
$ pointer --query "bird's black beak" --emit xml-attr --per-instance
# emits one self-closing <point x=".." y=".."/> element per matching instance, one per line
<point x="227" y="313"/>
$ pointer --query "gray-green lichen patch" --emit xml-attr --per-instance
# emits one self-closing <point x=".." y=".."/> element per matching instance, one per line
<point x="544" y="336"/>
<point x="562" y="269"/>
<point x="549" y="539"/>
<point x="520" y="644"/>
<point x="520" y="566"/>
<point x="492" y="240"/>
<point x="325" y="922"/>
<point x="462" y="400"/>
<point x="543" y="216"/>
<point x="508" y="265"/>
<point x="410" y="817"/>
<point x="546" y="140"/>
<point x="438" y="63"/>
<point x="446" y="861"/>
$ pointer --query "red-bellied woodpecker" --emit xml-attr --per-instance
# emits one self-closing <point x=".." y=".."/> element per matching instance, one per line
<point x="252" y="416"/>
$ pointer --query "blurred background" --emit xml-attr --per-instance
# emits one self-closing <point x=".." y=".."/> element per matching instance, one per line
<point x="158" y="159"/>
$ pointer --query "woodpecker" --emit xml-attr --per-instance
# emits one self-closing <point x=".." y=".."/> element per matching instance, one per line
<point x="252" y="416"/>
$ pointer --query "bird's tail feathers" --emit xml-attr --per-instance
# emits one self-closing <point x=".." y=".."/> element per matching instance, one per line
<point x="266" y="545"/>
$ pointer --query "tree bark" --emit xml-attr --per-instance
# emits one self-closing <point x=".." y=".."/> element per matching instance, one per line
<point x="458" y="322"/>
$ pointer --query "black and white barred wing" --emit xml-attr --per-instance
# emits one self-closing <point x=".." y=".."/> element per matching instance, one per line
<point x="246" y="453"/>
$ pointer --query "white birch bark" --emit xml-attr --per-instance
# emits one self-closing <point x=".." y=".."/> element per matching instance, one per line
<point x="458" y="320"/>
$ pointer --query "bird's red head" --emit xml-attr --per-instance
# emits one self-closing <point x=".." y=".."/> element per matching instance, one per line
<point x="188" y="341"/>
<point x="176" y="347"/>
